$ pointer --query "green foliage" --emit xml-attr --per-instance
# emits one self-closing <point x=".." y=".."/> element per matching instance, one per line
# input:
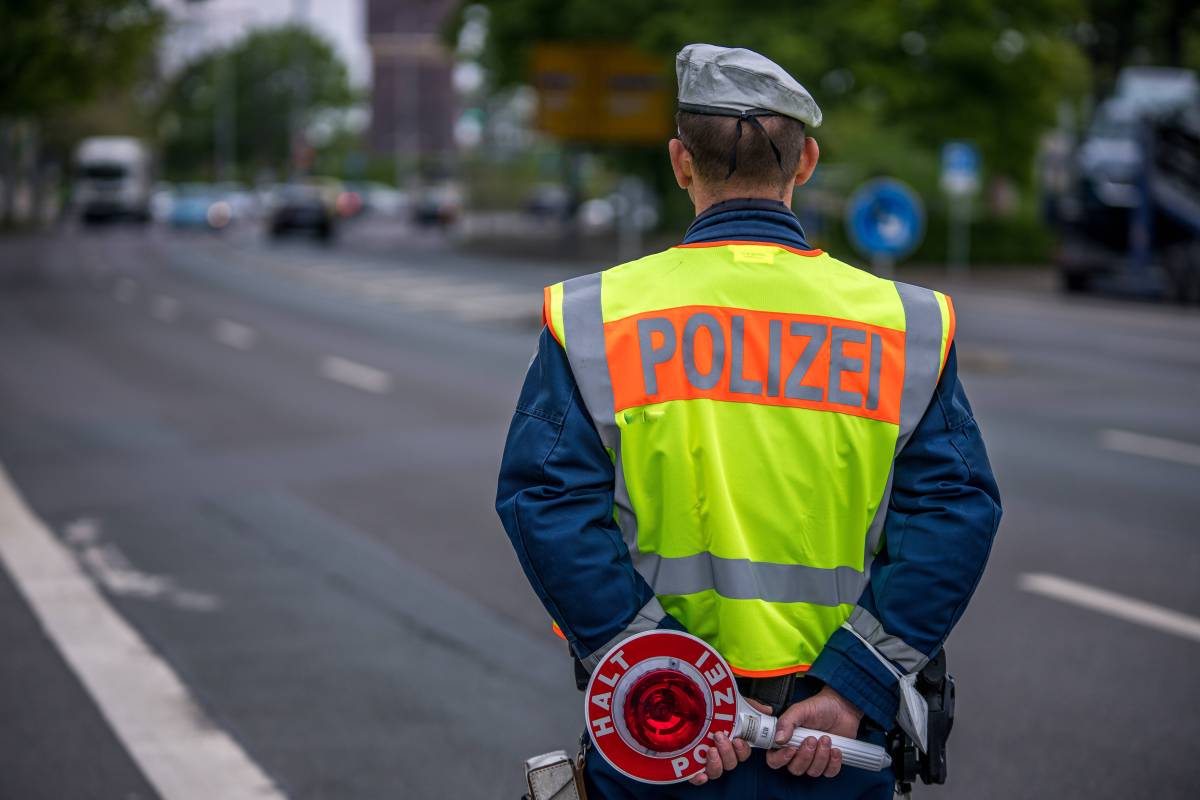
<point x="270" y="76"/>
<point x="1018" y="240"/>
<point x="1118" y="33"/>
<point x="923" y="70"/>
<point x="58" y="54"/>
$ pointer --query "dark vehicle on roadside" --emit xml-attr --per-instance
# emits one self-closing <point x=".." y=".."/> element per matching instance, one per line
<point x="439" y="205"/>
<point x="1129" y="219"/>
<point x="301" y="208"/>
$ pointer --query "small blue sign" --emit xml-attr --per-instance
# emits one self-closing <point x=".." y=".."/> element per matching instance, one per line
<point x="960" y="167"/>
<point x="885" y="219"/>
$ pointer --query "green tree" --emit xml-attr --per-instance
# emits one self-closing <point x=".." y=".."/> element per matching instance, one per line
<point x="920" y="71"/>
<point x="57" y="56"/>
<point x="1118" y="33"/>
<point x="266" y="86"/>
<point x="61" y="53"/>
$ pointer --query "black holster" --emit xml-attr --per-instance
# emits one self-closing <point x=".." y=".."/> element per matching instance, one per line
<point x="936" y="685"/>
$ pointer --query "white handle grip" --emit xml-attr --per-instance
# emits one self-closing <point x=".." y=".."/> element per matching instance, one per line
<point x="758" y="730"/>
<point x="854" y="753"/>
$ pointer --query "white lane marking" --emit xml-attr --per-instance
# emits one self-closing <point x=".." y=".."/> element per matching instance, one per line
<point x="234" y="334"/>
<point x="125" y="290"/>
<point x="165" y="308"/>
<point x="1114" y="605"/>
<point x="352" y="373"/>
<point x="1151" y="446"/>
<point x="108" y="565"/>
<point x="178" y="748"/>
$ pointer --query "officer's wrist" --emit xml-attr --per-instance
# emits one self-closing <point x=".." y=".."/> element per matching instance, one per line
<point x="848" y="707"/>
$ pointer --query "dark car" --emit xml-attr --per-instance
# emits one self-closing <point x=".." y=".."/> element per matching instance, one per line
<point x="299" y="207"/>
<point x="1129" y="221"/>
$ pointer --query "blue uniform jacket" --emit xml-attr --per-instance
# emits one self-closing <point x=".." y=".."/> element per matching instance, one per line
<point x="555" y="499"/>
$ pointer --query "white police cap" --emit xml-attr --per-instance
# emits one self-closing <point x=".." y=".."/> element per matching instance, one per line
<point x="734" y="81"/>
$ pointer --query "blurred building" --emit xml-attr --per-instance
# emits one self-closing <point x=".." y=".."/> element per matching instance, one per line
<point x="196" y="26"/>
<point x="412" y="98"/>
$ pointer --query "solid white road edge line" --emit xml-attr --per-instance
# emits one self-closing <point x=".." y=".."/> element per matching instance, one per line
<point x="1129" y="609"/>
<point x="1139" y="444"/>
<point x="178" y="748"/>
<point x="234" y="334"/>
<point x="356" y="375"/>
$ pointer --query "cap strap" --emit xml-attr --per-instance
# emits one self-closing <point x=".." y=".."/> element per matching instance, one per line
<point x="752" y="118"/>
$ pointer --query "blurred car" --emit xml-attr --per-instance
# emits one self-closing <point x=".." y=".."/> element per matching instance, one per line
<point x="1157" y="89"/>
<point x="1107" y="166"/>
<point x="1130" y="220"/>
<point x="549" y="201"/>
<point x="199" y="206"/>
<point x="438" y="205"/>
<point x="381" y="199"/>
<point x="302" y="207"/>
<point x="350" y="202"/>
<point x="243" y="203"/>
<point x="361" y="198"/>
<point x="162" y="198"/>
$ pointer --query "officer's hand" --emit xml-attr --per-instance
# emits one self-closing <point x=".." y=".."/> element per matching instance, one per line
<point x="825" y="711"/>
<point x="727" y="754"/>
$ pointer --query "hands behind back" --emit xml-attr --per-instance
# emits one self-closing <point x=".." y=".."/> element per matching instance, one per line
<point x="825" y="711"/>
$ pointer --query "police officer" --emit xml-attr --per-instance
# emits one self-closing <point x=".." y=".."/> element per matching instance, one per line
<point x="747" y="439"/>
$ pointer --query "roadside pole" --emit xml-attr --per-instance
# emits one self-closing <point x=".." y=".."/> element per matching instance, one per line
<point x="960" y="183"/>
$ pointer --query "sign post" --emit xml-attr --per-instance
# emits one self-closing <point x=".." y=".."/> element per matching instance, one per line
<point x="885" y="221"/>
<point x="960" y="182"/>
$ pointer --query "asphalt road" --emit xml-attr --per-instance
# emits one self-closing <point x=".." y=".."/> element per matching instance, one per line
<point x="277" y="464"/>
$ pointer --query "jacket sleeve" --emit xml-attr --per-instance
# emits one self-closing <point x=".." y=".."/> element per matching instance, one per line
<point x="941" y="520"/>
<point x="555" y="500"/>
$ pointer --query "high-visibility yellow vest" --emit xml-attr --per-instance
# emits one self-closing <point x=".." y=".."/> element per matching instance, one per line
<point x="753" y="398"/>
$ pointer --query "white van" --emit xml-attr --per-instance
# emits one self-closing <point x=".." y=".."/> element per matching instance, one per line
<point x="113" y="179"/>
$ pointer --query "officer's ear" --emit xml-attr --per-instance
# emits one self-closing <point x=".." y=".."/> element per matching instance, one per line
<point x="681" y="163"/>
<point x="808" y="161"/>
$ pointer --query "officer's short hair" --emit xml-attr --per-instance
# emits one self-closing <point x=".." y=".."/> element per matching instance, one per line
<point x="709" y="138"/>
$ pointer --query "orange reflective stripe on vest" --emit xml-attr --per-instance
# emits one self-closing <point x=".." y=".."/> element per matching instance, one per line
<point x="743" y="356"/>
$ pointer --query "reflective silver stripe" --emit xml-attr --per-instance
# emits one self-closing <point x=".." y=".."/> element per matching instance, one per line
<point x="922" y="356"/>
<point x="871" y="630"/>
<point x="646" y="619"/>
<point x="742" y="579"/>
<point x="583" y="320"/>
<point x="922" y="367"/>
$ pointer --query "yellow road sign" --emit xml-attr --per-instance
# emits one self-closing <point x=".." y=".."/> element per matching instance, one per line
<point x="602" y="93"/>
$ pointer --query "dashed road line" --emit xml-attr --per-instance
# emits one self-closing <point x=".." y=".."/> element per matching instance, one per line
<point x="180" y="750"/>
<point x="234" y="334"/>
<point x="1103" y="601"/>
<point x="165" y="308"/>
<point x="359" y="376"/>
<point x="125" y="290"/>
<point x="1139" y="444"/>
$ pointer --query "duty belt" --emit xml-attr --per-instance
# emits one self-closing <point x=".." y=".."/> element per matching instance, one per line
<point x="775" y="692"/>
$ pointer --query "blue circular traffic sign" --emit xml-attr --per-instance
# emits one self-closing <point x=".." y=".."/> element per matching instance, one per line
<point x="885" y="219"/>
